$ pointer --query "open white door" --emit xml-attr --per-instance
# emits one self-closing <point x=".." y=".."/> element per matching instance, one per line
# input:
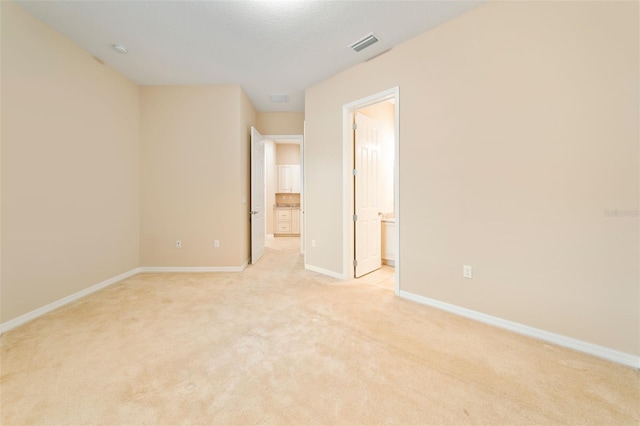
<point x="367" y="196"/>
<point x="257" y="196"/>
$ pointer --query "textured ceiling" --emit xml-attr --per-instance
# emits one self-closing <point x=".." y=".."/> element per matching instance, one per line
<point x="268" y="47"/>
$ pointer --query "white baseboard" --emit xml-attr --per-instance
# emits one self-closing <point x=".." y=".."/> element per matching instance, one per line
<point x="6" y="326"/>
<point x="324" y="271"/>
<point x="22" y="319"/>
<point x="194" y="268"/>
<point x="567" y="342"/>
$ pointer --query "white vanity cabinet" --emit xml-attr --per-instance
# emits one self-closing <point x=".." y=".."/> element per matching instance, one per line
<point x="286" y="221"/>
<point x="389" y="242"/>
<point x="295" y="221"/>
<point x="289" y="178"/>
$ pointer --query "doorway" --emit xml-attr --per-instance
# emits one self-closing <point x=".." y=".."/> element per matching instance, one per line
<point x="371" y="202"/>
<point x="284" y="162"/>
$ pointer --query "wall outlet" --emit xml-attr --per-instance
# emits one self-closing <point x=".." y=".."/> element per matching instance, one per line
<point x="216" y="243"/>
<point x="178" y="244"/>
<point x="313" y="243"/>
<point x="467" y="271"/>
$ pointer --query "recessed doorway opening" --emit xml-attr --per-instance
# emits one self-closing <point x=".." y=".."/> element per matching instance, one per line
<point x="371" y="183"/>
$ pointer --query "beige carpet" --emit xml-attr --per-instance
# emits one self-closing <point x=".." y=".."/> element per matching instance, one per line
<point x="280" y="345"/>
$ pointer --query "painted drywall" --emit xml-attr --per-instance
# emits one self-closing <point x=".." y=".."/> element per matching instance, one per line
<point x="280" y="123"/>
<point x="70" y="167"/>
<point x="194" y="175"/>
<point x="518" y="155"/>
<point x="287" y="154"/>
<point x="271" y="182"/>
<point x="384" y="114"/>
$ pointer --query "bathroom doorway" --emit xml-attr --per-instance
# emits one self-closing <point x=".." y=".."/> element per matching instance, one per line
<point x="371" y="144"/>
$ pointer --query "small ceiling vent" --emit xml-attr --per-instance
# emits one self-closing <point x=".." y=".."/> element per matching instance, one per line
<point x="363" y="43"/>
<point x="279" y="98"/>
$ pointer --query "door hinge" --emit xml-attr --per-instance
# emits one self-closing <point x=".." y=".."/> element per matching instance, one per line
<point x="355" y="172"/>
<point x="355" y="126"/>
<point x="355" y="263"/>
<point x="355" y="217"/>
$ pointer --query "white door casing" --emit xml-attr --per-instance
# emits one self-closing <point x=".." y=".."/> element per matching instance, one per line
<point x="257" y="196"/>
<point x="367" y="196"/>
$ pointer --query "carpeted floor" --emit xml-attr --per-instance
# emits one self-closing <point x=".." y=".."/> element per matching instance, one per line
<point x="276" y="344"/>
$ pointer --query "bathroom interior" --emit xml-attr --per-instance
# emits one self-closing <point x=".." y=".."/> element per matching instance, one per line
<point x="383" y="113"/>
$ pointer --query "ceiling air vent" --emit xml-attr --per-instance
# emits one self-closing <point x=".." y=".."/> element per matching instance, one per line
<point x="364" y="42"/>
<point x="279" y="98"/>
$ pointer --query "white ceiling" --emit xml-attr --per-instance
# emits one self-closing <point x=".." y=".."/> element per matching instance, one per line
<point x="268" y="47"/>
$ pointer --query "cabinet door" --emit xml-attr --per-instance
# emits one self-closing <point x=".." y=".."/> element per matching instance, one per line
<point x="388" y="241"/>
<point x="283" y="214"/>
<point x="283" y="227"/>
<point x="295" y="221"/>
<point x="285" y="179"/>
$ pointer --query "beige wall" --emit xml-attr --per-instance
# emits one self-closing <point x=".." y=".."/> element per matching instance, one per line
<point x="287" y="154"/>
<point x="280" y="123"/>
<point x="518" y="131"/>
<point x="271" y="182"/>
<point x="70" y="167"/>
<point x="194" y="175"/>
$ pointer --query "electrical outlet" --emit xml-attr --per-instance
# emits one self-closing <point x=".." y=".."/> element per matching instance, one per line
<point x="216" y="243"/>
<point x="313" y="243"/>
<point x="178" y="244"/>
<point x="467" y="271"/>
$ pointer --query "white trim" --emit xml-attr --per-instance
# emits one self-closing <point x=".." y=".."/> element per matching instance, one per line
<point x="324" y="271"/>
<point x="396" y="182"/>
<point x="29" y="316"/>
<point x="567" y="342"/>
<point x="286" y="139"/>
<point x="194" y="268"/>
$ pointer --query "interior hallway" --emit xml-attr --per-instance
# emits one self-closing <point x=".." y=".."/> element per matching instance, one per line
<point x="383" y="277"/>
<point x="277" y="344"/>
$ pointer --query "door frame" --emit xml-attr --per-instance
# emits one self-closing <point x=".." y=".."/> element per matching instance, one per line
<point x="348" y="112"/>
<point x="257" y="138"/>
<point x="299" y="140"/>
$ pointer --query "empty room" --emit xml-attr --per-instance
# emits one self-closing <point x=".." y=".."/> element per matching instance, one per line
<point x="319" y="212"/>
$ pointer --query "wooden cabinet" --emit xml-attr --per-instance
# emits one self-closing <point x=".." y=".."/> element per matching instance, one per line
<point x="288" y="178"/>
<point x="287" y="221"/>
